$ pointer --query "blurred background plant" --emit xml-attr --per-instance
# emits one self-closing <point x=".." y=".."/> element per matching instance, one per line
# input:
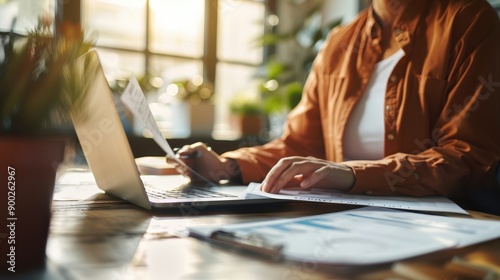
<point x="283" y="76"/>
<point x="247" y="114"/>
<point x="194" y="90"/>
<point x="32" y="95"/>
<point x="245" y="105"/>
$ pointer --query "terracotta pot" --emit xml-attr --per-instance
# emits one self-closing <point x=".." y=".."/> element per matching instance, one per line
<point x="28" y="169"/>
<point x="248" y="124"/>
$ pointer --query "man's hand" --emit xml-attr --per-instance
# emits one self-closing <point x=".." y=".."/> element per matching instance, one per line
<point x="207" y="163"/>
<point x="308" y="172"/>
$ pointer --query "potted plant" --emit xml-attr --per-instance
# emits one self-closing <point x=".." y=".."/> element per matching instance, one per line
<point x="278" y="94"/>
<point x="247" y="114"/>
<point x="192" y="107"/>
<point x="36" y="98"/>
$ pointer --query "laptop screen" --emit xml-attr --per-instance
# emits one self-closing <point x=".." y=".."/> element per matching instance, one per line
<point x="101" y="133"/>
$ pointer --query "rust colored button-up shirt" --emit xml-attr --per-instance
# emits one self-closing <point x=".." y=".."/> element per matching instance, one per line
<point x="442" y="104"/>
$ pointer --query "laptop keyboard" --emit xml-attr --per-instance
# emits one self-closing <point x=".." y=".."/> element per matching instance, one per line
<point x="185" y="193"/>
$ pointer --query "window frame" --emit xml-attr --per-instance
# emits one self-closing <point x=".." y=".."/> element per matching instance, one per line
<point x="73" y="11"/>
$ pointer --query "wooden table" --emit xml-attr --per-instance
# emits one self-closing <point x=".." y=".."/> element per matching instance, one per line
<point x="95" y="236"/>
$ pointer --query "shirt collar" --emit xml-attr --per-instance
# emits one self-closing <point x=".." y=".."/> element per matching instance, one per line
<point x="404" y="26"/>
<point x="372" y="28"/>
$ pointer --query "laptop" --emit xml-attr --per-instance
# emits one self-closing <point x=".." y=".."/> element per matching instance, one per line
<point x="105" y="145"/>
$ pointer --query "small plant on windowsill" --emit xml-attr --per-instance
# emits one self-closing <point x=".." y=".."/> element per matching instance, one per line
<point x="192" y="107"/>
<point x="193" y="90"/>
<point x="247" y="114"/>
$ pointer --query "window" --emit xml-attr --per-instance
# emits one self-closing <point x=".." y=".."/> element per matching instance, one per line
<point x="171" y="40"/>
<point x="22" y="16"/>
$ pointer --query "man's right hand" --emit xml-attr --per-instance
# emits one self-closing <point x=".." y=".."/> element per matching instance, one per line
<point x="207" y="163"/>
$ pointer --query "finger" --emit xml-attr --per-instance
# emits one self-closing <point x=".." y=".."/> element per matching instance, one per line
<point x="294" y="174"/>
<point x="205" y="164"/>
<point x="270" y="182"/>
<point x="286" y="177"/>
<point x="188" y="154"/>
<point x="199" y="146"/>
<point x="181" y="169"/>
<point x="273" y="175"/>
<point x="314" y="178"/>
<point x="183" y="149"/>
<point x="187" y="149"/>
<point x="332" y="176"/>
<point x="185" y="159"/>
<point x="195" y="150"/>
<point x="171" y="160"/>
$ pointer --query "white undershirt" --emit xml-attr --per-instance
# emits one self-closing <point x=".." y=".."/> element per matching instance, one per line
<point x="364" y="133"/>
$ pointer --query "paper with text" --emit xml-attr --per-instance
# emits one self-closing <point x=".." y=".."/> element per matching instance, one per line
<point x="136" y="102"/>
<point x="431" y="204"/>
<point x="368" y="235"/>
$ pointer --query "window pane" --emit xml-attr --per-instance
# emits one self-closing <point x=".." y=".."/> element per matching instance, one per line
<point x="116" y="23"/>
<point x="231" y="80"/>
<point x="240" y="24"/>
<point x="119" y="65"/>
<point x="170" y="70"/>
<point x="173" y="69"/>
<point x="177" y="27"/>
<point x="26" y="13"/>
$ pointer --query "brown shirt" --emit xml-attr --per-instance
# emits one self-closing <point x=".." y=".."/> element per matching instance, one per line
<point x="442" y="104"/>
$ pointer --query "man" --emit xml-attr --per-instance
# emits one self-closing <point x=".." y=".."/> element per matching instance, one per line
<point x="402" y="101"/>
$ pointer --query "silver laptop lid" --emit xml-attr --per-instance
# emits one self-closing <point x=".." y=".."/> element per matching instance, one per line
<point x="101" y="134"/>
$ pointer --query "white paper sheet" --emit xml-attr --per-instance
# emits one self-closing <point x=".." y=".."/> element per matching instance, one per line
<point x="368" y="235"/>
<point x="134" y="99"/>
<point x="431" y="204"/>
<point x="136" y="102"/>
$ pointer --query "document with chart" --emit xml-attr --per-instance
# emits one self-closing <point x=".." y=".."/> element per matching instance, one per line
<point x="368" y="235"/>
<point x="429" y="204"/>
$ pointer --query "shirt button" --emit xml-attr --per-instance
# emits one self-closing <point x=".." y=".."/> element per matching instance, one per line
<point x="390" y="137"/>
<point x="388" y="107"/>
<point x="393" y="78"/>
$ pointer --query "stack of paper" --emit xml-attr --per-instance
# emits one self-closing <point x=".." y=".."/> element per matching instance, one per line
<point x="368" y="235"/>
<point x="429" y="204"/>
